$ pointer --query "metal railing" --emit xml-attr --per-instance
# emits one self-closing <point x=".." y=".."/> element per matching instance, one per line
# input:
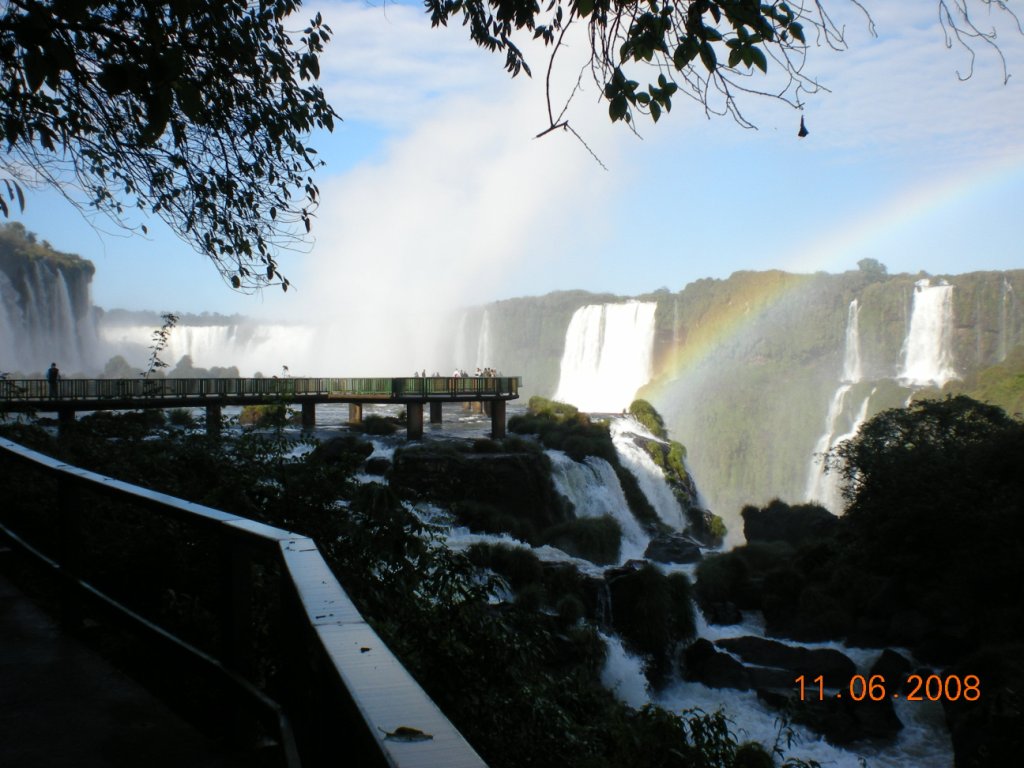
<point x="350" y="694"/>
<point x="39" y="390"/>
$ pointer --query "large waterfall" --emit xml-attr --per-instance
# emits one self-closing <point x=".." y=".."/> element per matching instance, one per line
<point x="608" y="355"/>
<point x="483" y="346"/>
<point x="928" y="350"/>
<point x="46" y="318"/>
<point x="267" y="349"/>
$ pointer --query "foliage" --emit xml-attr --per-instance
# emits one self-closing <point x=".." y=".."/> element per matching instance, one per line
<point x="542" y="406"/>
<point x="161" y="338"/>
<point x="707" y="51"/>
<point x="18" y="245"/>
<point x="195" y="112"/>
<point x="645" y="414"/>
<point x="273" y="415"/>
<point x="376" y="425"/>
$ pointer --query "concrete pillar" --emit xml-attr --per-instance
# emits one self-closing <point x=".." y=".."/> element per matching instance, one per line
<point x="435" y="412"/>
<point x="355" y="413"/>
<point x="414" y="420"/>
<point x="213" y="420"/>
<point x="497" y="418"/>
<point x="65" y="417"/>
<point x="308" y="416"/>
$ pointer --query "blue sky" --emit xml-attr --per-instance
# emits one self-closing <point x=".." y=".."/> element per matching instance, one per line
<point x="437" y="194"/>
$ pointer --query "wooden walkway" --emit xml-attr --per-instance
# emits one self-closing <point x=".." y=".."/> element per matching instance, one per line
<point x="73" y="395"/>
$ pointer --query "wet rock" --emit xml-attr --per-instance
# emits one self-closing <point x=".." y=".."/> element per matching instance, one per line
<point x="703" y="663"/>
<point x="841" y="720"/>
<point x="723" y="613"/>
<point x="378" y="465"/>
<point x="811" y="662"/>
<point x="673" y="548"/>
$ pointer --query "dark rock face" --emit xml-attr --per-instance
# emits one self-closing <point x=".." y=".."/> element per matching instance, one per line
<point x="673" y="548"/>
<point x="722" y="613"/>
<point x="377" y="466"/>
<point x="843" y="721"/>
<point x="514" y="483"/>
<point x="792" y="524"/>
<point x="343" y="448"/>
<point x="810" y="662"/>
<point x="703" y="663"/>
<point x="705" y="526"/>
<point x="987" y="731"/>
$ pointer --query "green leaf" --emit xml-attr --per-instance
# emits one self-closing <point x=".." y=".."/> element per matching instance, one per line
<point x="655" y="111"/>
<point x="707" y="55"/>
<point x="584" y="8"/>
<point x="759" y="59"/>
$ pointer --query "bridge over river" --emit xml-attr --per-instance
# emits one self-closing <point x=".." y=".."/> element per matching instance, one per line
<point x="73" y="395"/>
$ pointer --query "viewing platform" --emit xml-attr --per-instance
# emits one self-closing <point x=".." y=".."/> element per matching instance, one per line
<point x="73" y="395"/>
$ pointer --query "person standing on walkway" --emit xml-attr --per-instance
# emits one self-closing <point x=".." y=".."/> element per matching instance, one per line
<point x="53" y="376"/>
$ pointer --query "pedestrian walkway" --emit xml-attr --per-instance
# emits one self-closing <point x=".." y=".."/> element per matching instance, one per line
<point x="64" y="706"/>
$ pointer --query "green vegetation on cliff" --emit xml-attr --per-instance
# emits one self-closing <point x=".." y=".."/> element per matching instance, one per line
<point x="19" y="248"/>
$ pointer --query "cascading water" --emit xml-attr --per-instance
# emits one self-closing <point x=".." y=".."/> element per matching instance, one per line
<point x="649" y="475"/>
<point x="593" y="488"/>
<point x="928" y="349"/>
<point x="483" y="345"/>
<point x="823" y="487"/>
<point x="608" y="355"/>
<point x="1008" y="304"/>
<point x="43" y="320"/>
<point x="263" y="348"/>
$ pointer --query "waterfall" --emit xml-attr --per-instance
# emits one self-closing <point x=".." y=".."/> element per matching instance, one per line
<point x="483" y="344"/>
<point x="1007" y="338"/>
<point x="593" y="488"/>
<point x="608" y="355"/>
<point x="251" y="347"/>
<point x="852" y="371"/>
<point x="41" y="321"/>
<point x="649" y="475"/>
<point x="822" y="487"/>
<point x="928" y="349"/>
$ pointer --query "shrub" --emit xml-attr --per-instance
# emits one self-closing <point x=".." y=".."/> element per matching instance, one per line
<point x="181" y="417"/>
<point x="274" y="415"/>
<point x="376" y="425"/>
<point x="645" y="414"/>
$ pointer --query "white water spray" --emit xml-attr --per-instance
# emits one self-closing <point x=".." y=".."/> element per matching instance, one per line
<point x="608" y="355"/>
<point x="928" y="349"/>
<point x="823" y="487"/>
<point x="649" y="475"/>
<point x="483" y="344"/>
<point x="593" y="488"/>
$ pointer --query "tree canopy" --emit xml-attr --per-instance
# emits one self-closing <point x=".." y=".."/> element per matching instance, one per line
<point x="708" y="50"/>
<point x="194" y="110"/>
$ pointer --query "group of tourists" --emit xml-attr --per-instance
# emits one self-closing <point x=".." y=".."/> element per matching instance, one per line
<point x="460" y="373"/>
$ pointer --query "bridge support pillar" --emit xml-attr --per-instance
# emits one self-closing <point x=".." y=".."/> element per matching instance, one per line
<point x="497" y="418"/>
<point x="308" y="416"/>
<point x="65" y="416"/>
<point x="414" y="420"/>
<point x="213" y="420"/>
<point x="435" y="412"/>
<point x="355" y="413"/>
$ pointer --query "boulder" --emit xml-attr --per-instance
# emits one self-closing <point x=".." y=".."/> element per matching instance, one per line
<point x="810" y="662"/>
<point x="722" y="613"/>
<point x="673" y="548"/>
<point x="703" y="663"/>
<point x="378" y="465"/>
<point x="842" y="720"/>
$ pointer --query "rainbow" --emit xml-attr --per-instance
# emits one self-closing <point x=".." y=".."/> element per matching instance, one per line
<point x="752" y="294"/>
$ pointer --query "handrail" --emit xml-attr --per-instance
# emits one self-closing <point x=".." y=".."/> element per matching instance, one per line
<point x="381" y="690"/>
<point x="39" y="390"/>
